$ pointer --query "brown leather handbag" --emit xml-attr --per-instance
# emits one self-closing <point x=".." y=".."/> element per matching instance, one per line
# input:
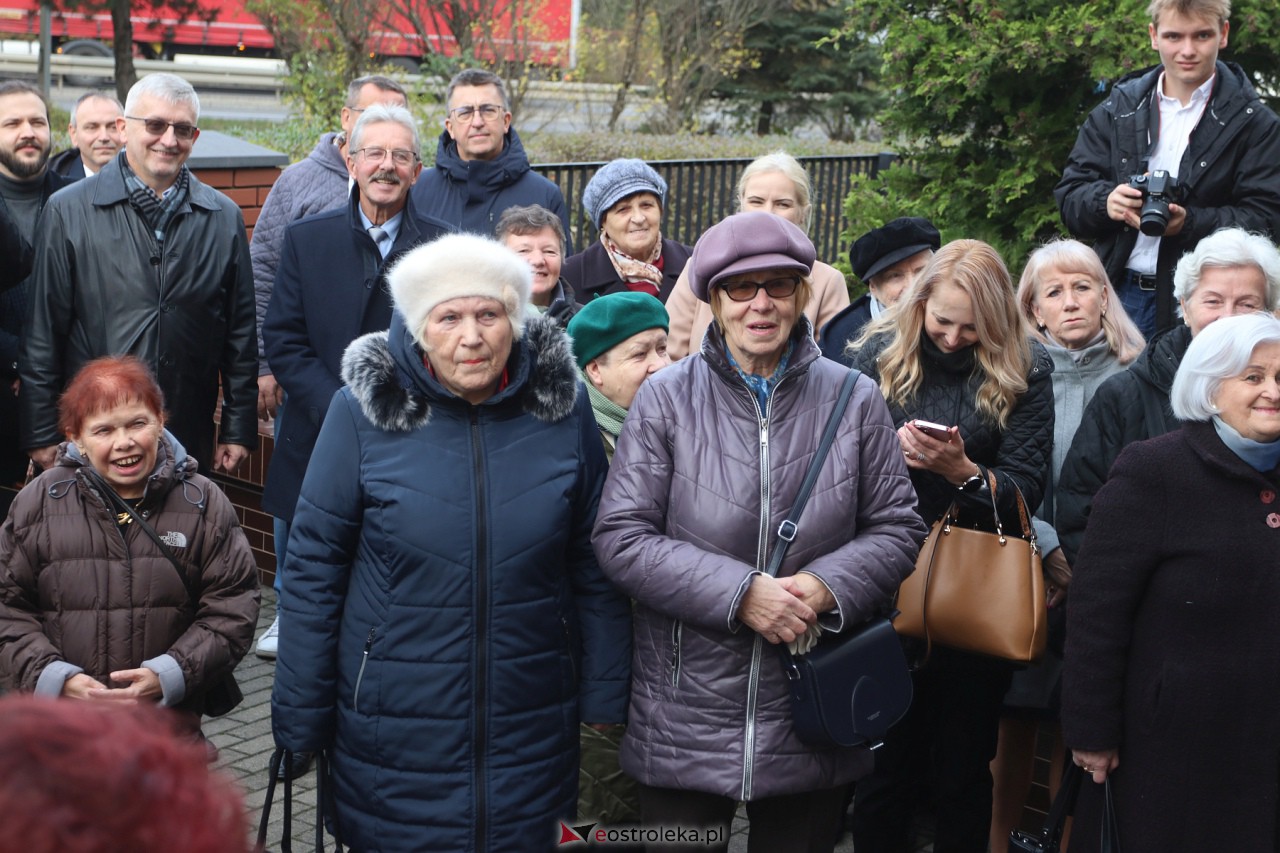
<point x="977" y="591"/>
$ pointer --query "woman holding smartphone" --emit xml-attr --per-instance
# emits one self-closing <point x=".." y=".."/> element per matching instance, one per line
<point x="953" y="352"/>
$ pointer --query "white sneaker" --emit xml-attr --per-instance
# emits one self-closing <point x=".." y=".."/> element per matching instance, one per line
<point x="270" y="639"/>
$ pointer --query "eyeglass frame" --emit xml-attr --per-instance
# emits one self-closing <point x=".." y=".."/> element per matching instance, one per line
<point x="359" y="155"/>
<point x="757" y="286"/>
<point x="457" y="112"/>
<point x="179" y="127"/>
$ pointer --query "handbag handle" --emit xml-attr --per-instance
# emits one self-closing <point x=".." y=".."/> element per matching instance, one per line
<point x="324" y="803"/>
<point x="788" y="529"/>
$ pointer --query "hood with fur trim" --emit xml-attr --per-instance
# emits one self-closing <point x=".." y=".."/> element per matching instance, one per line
<point x="396" y="392"/>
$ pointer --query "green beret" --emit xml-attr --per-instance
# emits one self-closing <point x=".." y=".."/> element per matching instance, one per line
<point x="607" y="321"/>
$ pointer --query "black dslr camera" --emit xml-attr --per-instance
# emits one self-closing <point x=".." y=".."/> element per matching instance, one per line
<point x="1158" y="190"/>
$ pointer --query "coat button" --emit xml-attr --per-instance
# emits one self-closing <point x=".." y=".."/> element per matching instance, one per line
<point x="1273" y="520"/>
<point x="1267" y="496"/>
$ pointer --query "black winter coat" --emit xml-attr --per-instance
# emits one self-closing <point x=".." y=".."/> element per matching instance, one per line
<point x="592" y="274"/>
<point x="1131" y="406"/>
<point x="1172" y="651"/>
<point x="843" y="328"/>
<point x="1230" y="172"/>
<point x="102" y="285"/>
<point x="1018" y="455"/>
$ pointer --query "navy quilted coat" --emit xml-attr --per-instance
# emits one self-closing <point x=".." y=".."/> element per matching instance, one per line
<point x="446" y="624"/>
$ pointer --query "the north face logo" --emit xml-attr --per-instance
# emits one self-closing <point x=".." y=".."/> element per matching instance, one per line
<point x="174" y="539"/>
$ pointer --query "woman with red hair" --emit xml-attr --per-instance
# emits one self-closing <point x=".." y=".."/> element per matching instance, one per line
<point x="95" y="607"/>
<point x="82" y="780"/>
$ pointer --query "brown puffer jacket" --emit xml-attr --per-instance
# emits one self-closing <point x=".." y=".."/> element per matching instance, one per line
<point x="695" y="495"/>
<point x="73" y="589"/>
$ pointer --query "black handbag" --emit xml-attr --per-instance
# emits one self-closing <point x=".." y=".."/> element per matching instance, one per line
<point x="1049" y="838"/>
<point x="223" y="694"/>
<point x="854" y="685"/>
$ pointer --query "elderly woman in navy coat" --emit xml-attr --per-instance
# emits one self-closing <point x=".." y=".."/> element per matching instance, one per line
<point x="1172" y="679"/>
<point x="452" y="624"/>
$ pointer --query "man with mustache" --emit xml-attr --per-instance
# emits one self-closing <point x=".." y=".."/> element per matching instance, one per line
<point x="143" y="259"/>
<point x="26" y="182"/>
<point x="94" y="137"/>
<point x="330" y="288"/>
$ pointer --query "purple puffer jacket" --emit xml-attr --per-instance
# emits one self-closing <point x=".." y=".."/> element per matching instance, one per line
<point x="698" y="487"/>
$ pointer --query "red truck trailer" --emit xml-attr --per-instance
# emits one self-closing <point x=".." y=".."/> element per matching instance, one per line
<point x="225" y="27"/>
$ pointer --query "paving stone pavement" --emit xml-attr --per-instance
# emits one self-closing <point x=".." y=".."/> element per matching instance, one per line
<point x="244" y="743"/>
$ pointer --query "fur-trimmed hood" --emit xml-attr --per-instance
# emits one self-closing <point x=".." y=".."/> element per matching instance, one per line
<point x="396" y="392"/>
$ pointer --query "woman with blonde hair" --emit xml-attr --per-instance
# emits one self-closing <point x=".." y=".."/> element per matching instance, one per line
<point x="775" y="183"/>
<point x="954" y="352"/>
<point x="1069" y="306"/>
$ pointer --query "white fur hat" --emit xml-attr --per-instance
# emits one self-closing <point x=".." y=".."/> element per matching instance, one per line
<point x="454" y="266"/>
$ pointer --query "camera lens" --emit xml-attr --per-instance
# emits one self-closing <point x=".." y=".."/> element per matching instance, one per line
<point x="1155" y="217"/>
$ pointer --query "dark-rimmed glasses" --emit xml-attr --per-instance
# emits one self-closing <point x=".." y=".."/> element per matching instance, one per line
<point x="745" y="291"/>
<point x="488" y="112"/>
<point x="399" y="156"/>
<point x="158" y="126"/>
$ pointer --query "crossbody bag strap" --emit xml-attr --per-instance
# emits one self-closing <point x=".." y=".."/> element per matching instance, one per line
<point x="790" y="526"/>
<point x="123" y="505"/>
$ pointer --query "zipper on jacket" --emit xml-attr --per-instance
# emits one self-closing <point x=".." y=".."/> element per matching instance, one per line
<point x="677" y="630"/>
<point x="480" y="765"/>
<point x="364" y="660"/>
<point x="762" y="549"/>
<point x="568" y="645"/>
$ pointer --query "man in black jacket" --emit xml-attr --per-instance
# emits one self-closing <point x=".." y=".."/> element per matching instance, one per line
<point x="146" y="260"/>
<point x="95" y="139"/>
<point x="26" y="182"/>
<point x="1193" y="117"/>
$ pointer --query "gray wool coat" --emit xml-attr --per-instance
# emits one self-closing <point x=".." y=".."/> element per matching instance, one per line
<point x="698" y="486"/>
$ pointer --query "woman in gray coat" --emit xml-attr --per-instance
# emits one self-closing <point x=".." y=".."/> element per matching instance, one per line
<point x="708" y="464"/>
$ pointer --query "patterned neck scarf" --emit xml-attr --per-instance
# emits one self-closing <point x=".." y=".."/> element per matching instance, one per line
<point x="645" y="275"/>
<point x="609" y="415"/>
<point x="156" y="211"/>
<point x="762" y="385"/>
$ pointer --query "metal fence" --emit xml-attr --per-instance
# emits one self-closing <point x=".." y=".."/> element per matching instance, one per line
<point x="702" y="192"/>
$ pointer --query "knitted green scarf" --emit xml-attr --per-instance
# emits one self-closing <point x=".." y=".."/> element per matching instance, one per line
<point x="608" y="414"/>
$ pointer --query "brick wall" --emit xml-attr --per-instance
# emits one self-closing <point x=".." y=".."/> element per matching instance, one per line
<point x="248" y="187"/>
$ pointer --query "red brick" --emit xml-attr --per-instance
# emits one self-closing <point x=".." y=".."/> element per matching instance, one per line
<point x="250" y="213"/>
<point x="263" y="192"/>
<point x="243" y="197"/>
<point x="262" y="177"/>
<point x="218" y="178"/>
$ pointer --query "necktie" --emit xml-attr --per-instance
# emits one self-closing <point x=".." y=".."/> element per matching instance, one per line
<point x="382" y="239"/>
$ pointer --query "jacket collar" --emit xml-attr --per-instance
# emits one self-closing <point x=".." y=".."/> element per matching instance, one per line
<point x="504" y="170"/>
<point x="716" y="351"/>
<point x="109" y="188"/>
<point x="396" y="392"/>
<point x="173" y="466"/>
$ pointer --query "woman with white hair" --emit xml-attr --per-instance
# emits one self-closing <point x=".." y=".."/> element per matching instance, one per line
<point x="1173" y="660"/>
<point x="1230" y="272"/>
<point x="775" y="183"/>
<point x="452" y="624"/>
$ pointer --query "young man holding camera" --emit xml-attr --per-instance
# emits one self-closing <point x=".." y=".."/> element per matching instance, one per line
<point x="1188" y="145"/>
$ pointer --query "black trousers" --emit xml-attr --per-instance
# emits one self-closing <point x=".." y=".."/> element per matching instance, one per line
<point x="807" y="822"/>
<point x="944" y="744"/>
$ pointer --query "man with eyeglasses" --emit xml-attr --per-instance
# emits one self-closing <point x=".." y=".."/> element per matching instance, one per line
<point x="144" y="259"/>
<point x="318" y="183"/>
<point x="481" y="168"/>
<point x="330" y="289"/>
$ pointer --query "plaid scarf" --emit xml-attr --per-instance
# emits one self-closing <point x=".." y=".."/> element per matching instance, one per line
<point x="637" y="274"/>
<point x="156" y="211"/>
